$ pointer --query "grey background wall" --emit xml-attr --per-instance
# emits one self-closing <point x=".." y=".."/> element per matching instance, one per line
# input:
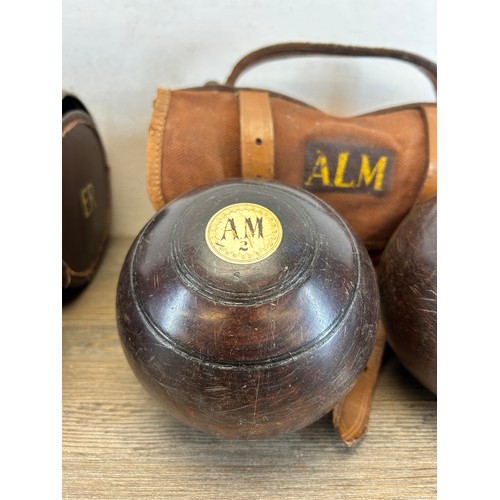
<point x="116" y="53"/>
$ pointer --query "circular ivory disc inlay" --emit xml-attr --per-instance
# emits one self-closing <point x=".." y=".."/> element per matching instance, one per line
<point x="244" y="233"/>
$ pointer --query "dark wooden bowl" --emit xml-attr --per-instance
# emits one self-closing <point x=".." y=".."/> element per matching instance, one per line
<point x="248" y="307"/>
<point x="408" y="292"/>
<point x="86" y="196"/>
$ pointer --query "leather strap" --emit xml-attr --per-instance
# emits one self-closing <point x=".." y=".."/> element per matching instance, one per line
<point x="350" y="416"/>
<point x="429" y="187"/>
<point x="256" y="135"/>
<point x="314" y="49"/>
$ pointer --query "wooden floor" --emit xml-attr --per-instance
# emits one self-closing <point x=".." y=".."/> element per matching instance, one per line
<point x="118" y="443"/>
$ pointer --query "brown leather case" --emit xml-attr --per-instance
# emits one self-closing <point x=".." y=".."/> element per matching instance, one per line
<point x="371" y="168"/>
<point x="86" y="197"/>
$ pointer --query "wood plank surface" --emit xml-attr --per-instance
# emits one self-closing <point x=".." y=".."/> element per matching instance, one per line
<point x="119" y="443"/>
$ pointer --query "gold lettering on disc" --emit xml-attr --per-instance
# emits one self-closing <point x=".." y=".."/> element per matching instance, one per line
<point x="244" y="233"/>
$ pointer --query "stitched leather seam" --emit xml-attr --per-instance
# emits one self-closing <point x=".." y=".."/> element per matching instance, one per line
<point x="154" y="148"/>
<point x="429" y="184"/>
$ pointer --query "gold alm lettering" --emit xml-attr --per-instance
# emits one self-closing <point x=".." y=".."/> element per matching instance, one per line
<point x="377" y="173"/>
<point x="320" y="170"/>
<point x="339" y="174"/>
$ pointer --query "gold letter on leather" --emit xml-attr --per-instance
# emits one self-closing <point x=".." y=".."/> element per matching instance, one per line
<point x="339" y="175"/>
<point x="368" y="175"/>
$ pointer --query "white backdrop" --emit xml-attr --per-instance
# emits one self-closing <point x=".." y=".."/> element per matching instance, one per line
<point x="116" y="53"/>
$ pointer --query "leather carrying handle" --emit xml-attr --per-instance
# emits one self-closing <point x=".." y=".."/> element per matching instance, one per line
<point x="293" y="49"/>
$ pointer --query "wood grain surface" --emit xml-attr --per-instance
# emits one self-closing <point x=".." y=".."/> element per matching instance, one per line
<point x="119" y="443"/>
